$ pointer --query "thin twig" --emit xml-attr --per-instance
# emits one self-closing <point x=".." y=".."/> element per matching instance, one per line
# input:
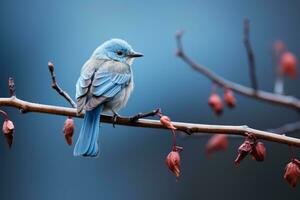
<point x="250" y="54"/>
<point x="146" y="123"/>
<point x="11" y="87"/>
<point x="277" y="51"/>
<point x="288" y="101"/>
<point x="286" y="128"/>
<point x="279" y="84"/>
<point x="56" y="87"/>
<point x="145" y="115"/>
<point x="2" y="112"/>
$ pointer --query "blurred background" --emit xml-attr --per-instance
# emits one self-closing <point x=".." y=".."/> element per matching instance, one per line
<point x="132" y="161"/>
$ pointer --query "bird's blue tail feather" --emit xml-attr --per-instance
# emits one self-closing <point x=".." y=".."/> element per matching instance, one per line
<point x="87" y="143"/>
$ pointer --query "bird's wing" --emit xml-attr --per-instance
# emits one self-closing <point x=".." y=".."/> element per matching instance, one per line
<point x="85" y="81"/>
<point x="105" y="86"/>
<point x="98" y="84"/>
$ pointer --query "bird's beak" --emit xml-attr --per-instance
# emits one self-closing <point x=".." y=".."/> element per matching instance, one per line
<point x="135" y="54"/>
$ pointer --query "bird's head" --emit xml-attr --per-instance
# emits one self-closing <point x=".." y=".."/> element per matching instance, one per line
<point x="118" y="50"/>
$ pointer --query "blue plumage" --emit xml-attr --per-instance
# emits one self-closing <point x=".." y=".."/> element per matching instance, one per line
<point x="87" y="143"/>
<point x="105" y="84"/>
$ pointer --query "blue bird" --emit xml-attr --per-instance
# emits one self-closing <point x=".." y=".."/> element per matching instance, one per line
<point x="105" y="84"/>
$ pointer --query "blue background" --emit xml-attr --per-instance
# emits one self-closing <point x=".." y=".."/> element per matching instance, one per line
<point x="132" y="162"/>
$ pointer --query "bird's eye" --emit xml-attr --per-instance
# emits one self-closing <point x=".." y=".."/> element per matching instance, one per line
<point x="120" y="53"/>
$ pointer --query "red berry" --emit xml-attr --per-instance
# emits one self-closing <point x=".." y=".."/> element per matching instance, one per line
<point x="259" y="151"/>
<point x="229" y="98"/>
<point x="68" y="130"/>
<point x="243" y="151"/>
<point x="288" y="64"/>
<point x="173" y="161"/>
<point x="8" y="131"/>
<point x="216" y="143"/>
<point x="292" y="173"/>
<point x="216" y="103"/>
<point x="166" y="121"/>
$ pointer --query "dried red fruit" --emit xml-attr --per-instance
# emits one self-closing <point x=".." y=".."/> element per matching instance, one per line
<point x="229" y="98"/>
<point x="166" y="121"/>
<point x="8" y="131"/>
<point x="173" y="161"/>
<point x="243" y="151"/>
<point x="68" y="130"/>
<point x="292" y="173"/>
<point x="216" y="103"/>
<point x="288" y="64"/>
<point x="216" y="143"/>
<point x="258" y="151"/>
<point x="250" y="145"/>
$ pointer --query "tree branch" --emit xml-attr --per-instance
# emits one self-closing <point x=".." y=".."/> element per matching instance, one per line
<point x="56" y="87"/>
<point x="251" y="58"/>
<point x="288" y="101"/>
<point x="146" y="123"/>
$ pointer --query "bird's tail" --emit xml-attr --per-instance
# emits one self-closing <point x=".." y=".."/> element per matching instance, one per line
<point x="87" y="143"/>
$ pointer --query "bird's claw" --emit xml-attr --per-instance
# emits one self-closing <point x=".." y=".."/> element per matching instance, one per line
<point x="114" y="119"/>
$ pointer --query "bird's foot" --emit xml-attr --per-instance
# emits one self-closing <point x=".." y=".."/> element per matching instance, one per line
<point x="144" y="115"/>
<point x="114" y="119"/>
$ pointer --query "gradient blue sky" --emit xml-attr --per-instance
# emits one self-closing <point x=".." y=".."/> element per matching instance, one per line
<point x="131" y="165"/>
